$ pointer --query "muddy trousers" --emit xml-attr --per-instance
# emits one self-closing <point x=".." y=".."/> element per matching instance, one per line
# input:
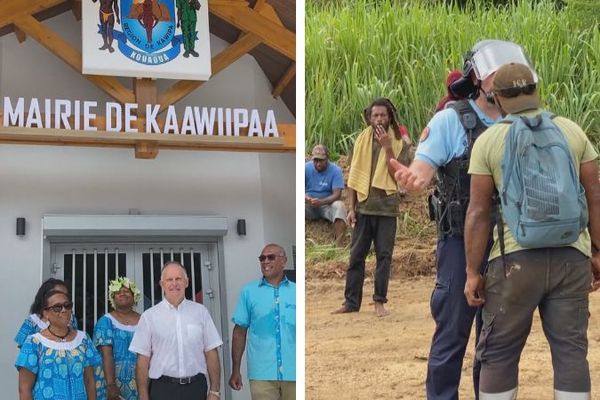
<point x="453" y="322"/>
<point x="380" y="230"/>
<point x="556" y="282"/>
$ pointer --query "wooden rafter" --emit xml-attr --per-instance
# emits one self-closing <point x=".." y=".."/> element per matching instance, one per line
<point x="242" y="17"/>
<point x="13" y="9"/>
<point x="21" y="36"/>
<point x="285" y="80"/>
<point x="259" y="6"/>
<point x="76" y="8"/>
<point x="219" y="62"/>
<point x="58" y="46"/>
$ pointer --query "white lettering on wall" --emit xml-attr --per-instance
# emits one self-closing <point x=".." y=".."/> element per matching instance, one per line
<point x="13" y="116"/>
<point x="113" y="109"/>
<point x="68" y="114"/>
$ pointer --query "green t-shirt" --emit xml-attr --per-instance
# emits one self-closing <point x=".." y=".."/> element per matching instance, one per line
<point x="486" y="159"/>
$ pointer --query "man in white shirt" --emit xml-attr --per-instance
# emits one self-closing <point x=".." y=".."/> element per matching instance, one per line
<point x="176" y="342"/>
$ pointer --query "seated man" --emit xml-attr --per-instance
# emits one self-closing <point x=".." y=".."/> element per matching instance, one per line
<point x="323" y="184"/>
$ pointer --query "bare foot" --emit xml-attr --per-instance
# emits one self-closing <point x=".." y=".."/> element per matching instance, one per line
<point x="380" y="310"/>
<point x="343" y="310"/>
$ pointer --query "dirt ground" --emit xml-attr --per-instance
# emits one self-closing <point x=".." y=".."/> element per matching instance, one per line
<point x="360" y="356"/>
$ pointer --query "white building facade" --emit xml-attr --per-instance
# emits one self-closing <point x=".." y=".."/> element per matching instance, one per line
<point x="94" y="212"/>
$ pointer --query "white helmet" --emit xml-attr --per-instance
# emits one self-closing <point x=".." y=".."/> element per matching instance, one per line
<point x="483" y="60"/>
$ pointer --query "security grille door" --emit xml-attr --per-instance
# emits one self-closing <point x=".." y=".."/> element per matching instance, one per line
<point x="87" y="269"/>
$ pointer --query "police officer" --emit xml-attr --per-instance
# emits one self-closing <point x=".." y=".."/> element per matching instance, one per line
<point x="445" y="147"/>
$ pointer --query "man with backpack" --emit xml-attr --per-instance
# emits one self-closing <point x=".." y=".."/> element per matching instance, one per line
<point x="445" y="147"/>
<point x="545" y="172"/>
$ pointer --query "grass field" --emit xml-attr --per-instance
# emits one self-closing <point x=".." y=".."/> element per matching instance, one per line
<point x="357" y="50"/>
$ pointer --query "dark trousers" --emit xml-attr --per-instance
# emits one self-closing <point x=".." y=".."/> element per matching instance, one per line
<point x="556" y="281"/>
<point x="196" y="390"/>
<point x="453" y="321"/>
<point x="381" y="231"/>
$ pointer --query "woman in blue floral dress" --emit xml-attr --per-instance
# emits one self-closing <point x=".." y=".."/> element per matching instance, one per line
<point x="113" y="334"/>
<point x="57" y="363"/>
<point x="34" y="322"/>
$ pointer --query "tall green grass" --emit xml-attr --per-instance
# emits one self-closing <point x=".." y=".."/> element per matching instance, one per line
<point x="357" y="50"/>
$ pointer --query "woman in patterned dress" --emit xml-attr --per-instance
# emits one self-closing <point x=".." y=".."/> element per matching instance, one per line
<point x="34" y="322"/>
<point x="57" y="363"/>
<point x="113" y="334"/>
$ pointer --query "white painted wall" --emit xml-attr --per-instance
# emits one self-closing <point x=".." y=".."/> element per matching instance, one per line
<point x="39" y="180"/>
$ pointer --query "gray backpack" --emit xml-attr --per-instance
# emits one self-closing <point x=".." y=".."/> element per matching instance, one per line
<point x="542" y="200"/>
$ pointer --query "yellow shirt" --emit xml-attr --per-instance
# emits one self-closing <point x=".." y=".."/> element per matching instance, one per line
<point x="486" y="159"/>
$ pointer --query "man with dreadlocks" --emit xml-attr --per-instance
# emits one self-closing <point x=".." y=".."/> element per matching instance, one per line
<point x="374" y="203"/>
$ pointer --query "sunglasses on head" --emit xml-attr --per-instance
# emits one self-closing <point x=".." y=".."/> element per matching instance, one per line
<point x="59" y="307"/>
<point x="269" y="257"/>
<point x="516" y="91"/>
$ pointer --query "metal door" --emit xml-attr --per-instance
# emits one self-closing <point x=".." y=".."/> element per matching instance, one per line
<point x="87" y="267"/>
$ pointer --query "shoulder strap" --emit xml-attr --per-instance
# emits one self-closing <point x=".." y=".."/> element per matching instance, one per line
<point x="469" y="121"/>
<point x="468" y="117"/>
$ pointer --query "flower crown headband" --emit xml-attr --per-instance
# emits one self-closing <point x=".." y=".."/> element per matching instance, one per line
<point x="119" y="283"/>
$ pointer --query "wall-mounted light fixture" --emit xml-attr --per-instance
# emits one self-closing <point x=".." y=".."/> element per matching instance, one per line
<point x="20" y="226"/>
<point x="241" y="227"/>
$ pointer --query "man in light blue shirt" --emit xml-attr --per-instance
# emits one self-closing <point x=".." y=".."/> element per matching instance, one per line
<point x="323" y="185"/>
<point x="265" y="318"/>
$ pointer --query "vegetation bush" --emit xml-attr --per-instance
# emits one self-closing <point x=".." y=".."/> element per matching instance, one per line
<point x="357" y="50"/>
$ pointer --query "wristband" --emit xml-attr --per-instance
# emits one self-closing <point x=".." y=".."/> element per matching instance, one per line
<point x="215" y="393"/>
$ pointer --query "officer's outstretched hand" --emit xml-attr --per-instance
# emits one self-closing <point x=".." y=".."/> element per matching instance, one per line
<point x="474" y="290"/>
<point x="595" y="272"/>
<point x="407" y="178"/>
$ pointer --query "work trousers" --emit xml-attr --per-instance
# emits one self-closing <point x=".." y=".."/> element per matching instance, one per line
<point x="380" y="230"/>
<point x="273" y="390"/>
<point x="453" y="322"/>
<point x="554" y="280"/>
<point x="196" y="390"/>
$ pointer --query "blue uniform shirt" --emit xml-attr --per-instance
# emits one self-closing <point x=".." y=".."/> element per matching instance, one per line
<point x="447" y="138"/>
<point x="269" y="314"/>
<point x="321" y="184"/>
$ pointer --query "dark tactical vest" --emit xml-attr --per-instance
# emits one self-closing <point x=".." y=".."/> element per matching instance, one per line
<point x="448" y="204"/>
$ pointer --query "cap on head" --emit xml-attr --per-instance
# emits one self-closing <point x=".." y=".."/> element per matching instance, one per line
<point x="320" y="152"/>
<point x="516" y="87"/>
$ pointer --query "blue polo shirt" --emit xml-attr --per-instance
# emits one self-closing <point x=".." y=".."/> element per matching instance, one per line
<point x="447" y="138"/>
<point x="269" y="314"/>
<point x="321" y="184"/>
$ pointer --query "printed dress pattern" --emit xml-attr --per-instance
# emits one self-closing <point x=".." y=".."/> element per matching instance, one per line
<point x="110" y="332"/>
<point x="58" y="366"/>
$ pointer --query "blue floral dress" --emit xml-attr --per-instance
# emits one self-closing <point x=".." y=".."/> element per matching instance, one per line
<point x="58" y="366"/>
<point x="33" y="324"/>
<point x="110" y="332"/>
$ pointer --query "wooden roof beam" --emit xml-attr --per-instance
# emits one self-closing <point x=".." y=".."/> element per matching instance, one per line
<point x="21" y="36"/>
<point x="219" y="62"/>
<point x="285" y="80"/>
<point x="242" y="17"/>
<point x="72" y="57"/>
<point x="266" y="10"/>
<point x="76" y="8"/>
<point x="11" y="10"/>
